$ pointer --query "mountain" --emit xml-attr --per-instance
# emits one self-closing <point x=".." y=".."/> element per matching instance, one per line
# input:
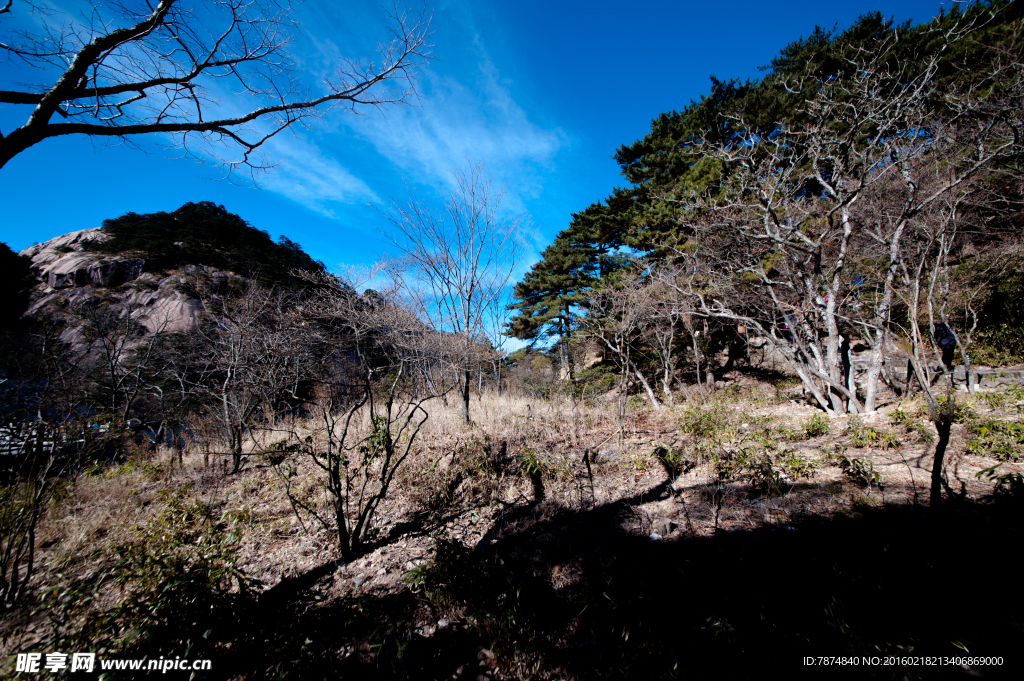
<point x="158" y="267"/>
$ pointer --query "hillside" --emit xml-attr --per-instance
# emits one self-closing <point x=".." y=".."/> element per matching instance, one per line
<point x="204" y="234"/>
<point x="767" y="414"/>
<point x="159" y="266"/>
<point x="504" y="553"/>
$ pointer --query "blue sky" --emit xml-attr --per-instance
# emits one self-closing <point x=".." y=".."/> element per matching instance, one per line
<point x="542" y="93"/>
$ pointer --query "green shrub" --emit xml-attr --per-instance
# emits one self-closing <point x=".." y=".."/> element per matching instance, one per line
<point x="797" y="466"/>
<point x="1009" y="486"/>
<point x="1001" y="439"/>
<point x="860" y="471"/>
<point x="923" y="434"/>
<point x="962" y="409"/>
<point x="998" y="400"/>
<point x="866" y="436"/>
<point x="179" y="583"/>
<point x="593" y="381"/>
<point x="761" y="474"/>
<point x="786" y="433"/>
<point x="641" y="462"/>
<point x="673" y="460"/>
<point x="704" y="422"/>
<point x="817" y="425"/>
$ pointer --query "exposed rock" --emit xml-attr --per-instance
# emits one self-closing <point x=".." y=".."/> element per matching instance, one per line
<point x="174" y="313"/>
<point x="593" y="355"/>
<point x="69" y="275"/>
<point x="62" y="262"/>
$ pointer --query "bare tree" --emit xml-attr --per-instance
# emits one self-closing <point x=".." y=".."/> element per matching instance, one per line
<point x="948" y="260"/>
<point x="456" y="263"/>
<point x="47" y="434"/>
<point x="122" y="348"/>
<point x="620" y="317"/>
<point x="366" y="413"/>
<point x="135" y="68"/>
<point x="254" y="344"/>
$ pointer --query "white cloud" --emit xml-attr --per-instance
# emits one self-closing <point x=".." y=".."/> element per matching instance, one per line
<point x="473" y="117"/>
<point x="307" y="175"/>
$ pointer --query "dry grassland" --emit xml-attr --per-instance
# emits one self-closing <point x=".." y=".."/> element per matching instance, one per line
<point x="522" y="465"/>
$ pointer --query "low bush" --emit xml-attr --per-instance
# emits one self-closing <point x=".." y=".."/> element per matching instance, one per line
<point x="816" y="425"/>
<point x="708" y="422"/>
<point x="992" y="437"/>
<point x="179" y="584"/>
<point x="861" y="472"/>
<point x="673" y="460"/>
<point x="1008" y="486"/>
<point x="865" y="436"/>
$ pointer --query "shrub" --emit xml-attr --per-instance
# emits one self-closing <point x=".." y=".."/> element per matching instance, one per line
<point x="901" y="417"/>
<point x="861" y="472"/>
<point x="704" y="422"/>
<point x="673" y="460"/>
<point x="594" y="381"/>
<point x="866" y="436"/>
<point x="786" y="433"/>
<point x="992" y="437"/>
<point x="1009" y="486"/>
<point x="816" y="425"/>
<point x="176" y="579"/>
<point x="797" y="466"/>
<point x="760" y="472"/>
<point x="640" y="462"/>
<point x="996" y="400"/>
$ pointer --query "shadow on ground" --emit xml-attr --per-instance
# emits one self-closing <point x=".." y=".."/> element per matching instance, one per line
<point x="557" y="593"/>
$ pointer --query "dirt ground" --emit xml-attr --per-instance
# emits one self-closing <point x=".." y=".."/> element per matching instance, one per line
<point x="469" y="529"/>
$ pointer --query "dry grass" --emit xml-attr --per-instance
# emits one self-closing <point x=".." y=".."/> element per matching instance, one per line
<point x="469" y="477"/>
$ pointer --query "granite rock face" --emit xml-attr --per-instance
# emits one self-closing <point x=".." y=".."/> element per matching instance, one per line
<point x="70" y="277"/>
<point x="62" y="263"/>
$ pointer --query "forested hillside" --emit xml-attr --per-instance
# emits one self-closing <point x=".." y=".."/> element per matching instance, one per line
<point x="205" y="234"/>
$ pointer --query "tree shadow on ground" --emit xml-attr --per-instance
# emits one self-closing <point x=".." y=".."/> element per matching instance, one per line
<point x="563" y="593"/>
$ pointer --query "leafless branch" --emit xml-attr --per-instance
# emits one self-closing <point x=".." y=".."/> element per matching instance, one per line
<point x="166" y="68"/>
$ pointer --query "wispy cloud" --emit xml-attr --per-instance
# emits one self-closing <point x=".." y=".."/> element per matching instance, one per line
<point x="311" y="177"/>
<point x="466" y="116"/>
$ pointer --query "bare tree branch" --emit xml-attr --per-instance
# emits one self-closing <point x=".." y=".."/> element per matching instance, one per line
<point x="164" y="69"/>
<point x="457" y="262"/>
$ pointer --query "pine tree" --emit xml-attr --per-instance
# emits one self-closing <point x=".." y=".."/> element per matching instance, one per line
<point x="551" y="293"/>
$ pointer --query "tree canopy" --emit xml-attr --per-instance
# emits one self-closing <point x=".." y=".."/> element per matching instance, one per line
<point x="671" y="166"/>
<point x="205" y="233"/>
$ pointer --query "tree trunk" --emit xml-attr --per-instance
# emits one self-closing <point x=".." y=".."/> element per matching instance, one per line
<point x="874" y="371"/>
<point x="944" y="425"/>
<point x="465" y="395"/>
<point x="647" y="387"/>
<point x="236" y="447"/>
<point x="696" y="364"/>
<point x="882" y="322"/>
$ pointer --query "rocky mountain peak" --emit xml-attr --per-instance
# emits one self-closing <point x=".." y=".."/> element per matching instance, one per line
<point x="62" y="262"/>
